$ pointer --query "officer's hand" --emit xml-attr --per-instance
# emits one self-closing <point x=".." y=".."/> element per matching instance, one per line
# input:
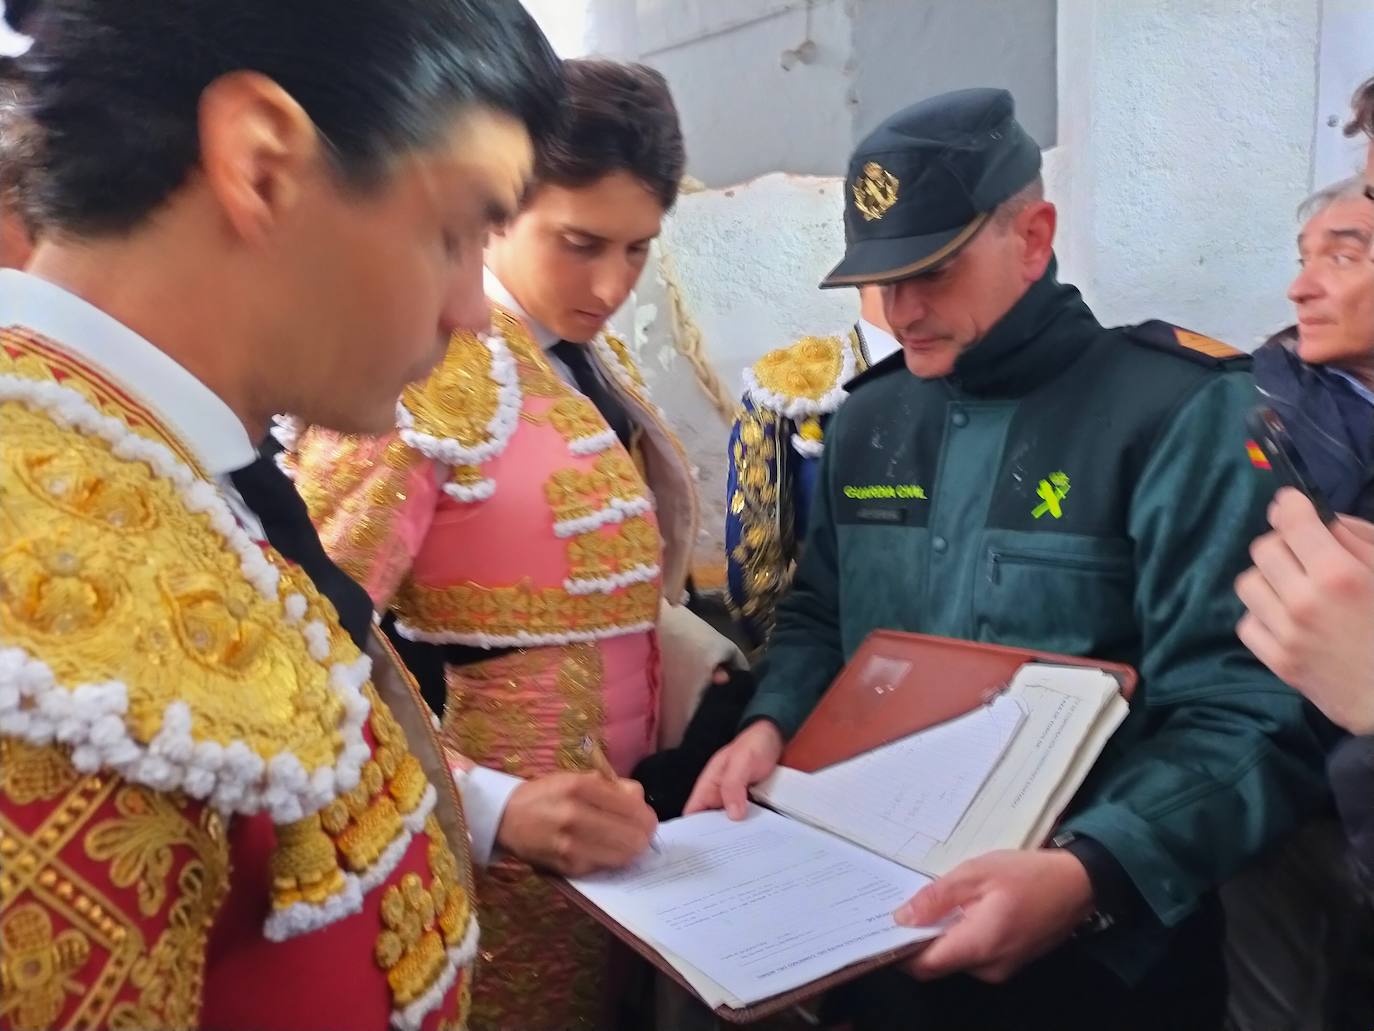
<point x="576" y="823"/>
<point x="1010" y="907"/>
<point x="745" y="761"/>
<point x="1310" y="598"/>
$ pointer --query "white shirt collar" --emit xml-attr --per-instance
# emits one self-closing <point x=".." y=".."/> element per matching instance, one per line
<point x="185" y="405"/>
<point x="880" y="342"/>
<point x="496" y="290"/>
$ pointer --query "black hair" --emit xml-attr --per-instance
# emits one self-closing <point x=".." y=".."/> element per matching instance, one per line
<point x="619" y="117"/>
<point x="114" y="86"/>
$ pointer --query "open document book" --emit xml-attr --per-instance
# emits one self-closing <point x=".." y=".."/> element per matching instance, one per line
<point x="757" y="915"/>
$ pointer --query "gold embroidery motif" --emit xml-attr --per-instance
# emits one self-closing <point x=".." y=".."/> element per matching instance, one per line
<point x="762" y="550"/>
<point x="577" y="493"/>
<point x="410" y="948"/>
<point x="108" y="575"/>
<point x="634" y="544"/>
<point x="138" y="844"/>
<point x="330" y="472"/>
<point x="542" y="961"/>
<point x="170" y="978"/>
<point x="483" y="715"/>
<point x="523" y="609"/>
<point x="304" y="865"/>
<point x="576" y="418"/>
<point x="409" y="784"/>
<point x="875" y="191"/>
<point x="537" y="378"/>
<point x="581" y="676"/>
<point x="627" y="363"/>
<point x="808" y="369"/>
<point x="460" y="397"/>
<point x="450" y="899"/>
<point x="36" y="967"/>
<point x="146" y="827"/>
<point x="32" y="773"/>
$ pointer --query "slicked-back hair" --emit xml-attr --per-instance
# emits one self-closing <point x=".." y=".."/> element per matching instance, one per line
<point x="114" y="86"/>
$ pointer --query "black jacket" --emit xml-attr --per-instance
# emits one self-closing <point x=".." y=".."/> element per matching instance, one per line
<point x="1332" y="426"/>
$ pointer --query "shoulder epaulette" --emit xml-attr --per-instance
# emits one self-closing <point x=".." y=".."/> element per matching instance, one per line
<point x="1184" y="343"/>
<point x="468" y="409"/>
<point x="805" y="379"/>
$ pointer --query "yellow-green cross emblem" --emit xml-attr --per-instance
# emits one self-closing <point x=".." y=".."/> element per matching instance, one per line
<point x="1051" y="492"/>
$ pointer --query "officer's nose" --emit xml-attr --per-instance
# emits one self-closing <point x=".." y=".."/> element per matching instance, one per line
<point x="903" y="304"/>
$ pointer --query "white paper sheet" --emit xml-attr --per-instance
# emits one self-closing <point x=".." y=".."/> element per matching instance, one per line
<point x="982" y="782"/>
<point x="758" y="907"/>
<point x="919" y="786"/>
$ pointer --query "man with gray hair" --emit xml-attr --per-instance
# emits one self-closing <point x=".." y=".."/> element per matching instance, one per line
<point x="1323" y="387"/>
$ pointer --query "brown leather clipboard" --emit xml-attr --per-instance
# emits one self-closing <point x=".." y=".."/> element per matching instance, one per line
<point x="897" y="684"/>
<point x="761" y="1010"/>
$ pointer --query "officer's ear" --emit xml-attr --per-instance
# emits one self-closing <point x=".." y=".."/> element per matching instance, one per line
<point x="1035" y="226"/>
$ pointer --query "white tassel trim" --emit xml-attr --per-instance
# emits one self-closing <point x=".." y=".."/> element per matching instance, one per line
<point x="522" y="639"/>
<point x="799" y="408"/>
<point x="287" y="429"/>
<point x="470" y="492"/>
<point x="500" y="428"/>
<point x="594" y="444"/>
<point x="622" y="376"/>
<point x="459" y="956"/>
<point x="616" y="512"/>
<point x="90" y="720"/>
<point x="282" y="460"/>
<point x="414" y="820"/>
<point x="807" y="448"/>
<point x="303" y="917"/>
<point x="612" y="583"/>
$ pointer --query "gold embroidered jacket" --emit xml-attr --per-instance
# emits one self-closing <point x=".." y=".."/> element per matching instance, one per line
<point x="200" y="782"/>
<point x="775" y="446"/>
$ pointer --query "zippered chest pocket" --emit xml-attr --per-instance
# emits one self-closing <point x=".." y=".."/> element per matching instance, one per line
<point x="1068" y="594"/>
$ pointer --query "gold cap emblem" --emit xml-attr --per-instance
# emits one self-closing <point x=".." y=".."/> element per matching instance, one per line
<point x="875" y="191"/>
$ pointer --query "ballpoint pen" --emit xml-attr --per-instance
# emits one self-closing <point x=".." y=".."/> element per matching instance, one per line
<point x="597" y="758"/>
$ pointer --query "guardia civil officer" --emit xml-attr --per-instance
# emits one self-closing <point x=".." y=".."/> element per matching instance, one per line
<point x="1019" y="474"/>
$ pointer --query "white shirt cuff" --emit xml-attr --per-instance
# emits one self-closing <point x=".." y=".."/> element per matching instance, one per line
<point x="485" y="794"/>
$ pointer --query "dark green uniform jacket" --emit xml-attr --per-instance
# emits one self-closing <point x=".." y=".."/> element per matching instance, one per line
<point x="1074" y="489"/>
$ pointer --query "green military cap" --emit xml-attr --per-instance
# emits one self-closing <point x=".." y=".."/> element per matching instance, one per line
<point x="923" y="183"/>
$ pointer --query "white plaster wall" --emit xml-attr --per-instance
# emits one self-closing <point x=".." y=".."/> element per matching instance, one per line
<point x="1345" y="61"/>
<point x="742" y="113"/>
<point x="565" y="23"/>
<point x="1057" y="173"/>
<point x="1187" y="125"/>
<point x="747" y="260"/>
<point x="905" y="50"/>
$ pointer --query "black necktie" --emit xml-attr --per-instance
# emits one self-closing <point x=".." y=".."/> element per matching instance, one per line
<point x="575" y="357"/>
<point x="286" y="521"/>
